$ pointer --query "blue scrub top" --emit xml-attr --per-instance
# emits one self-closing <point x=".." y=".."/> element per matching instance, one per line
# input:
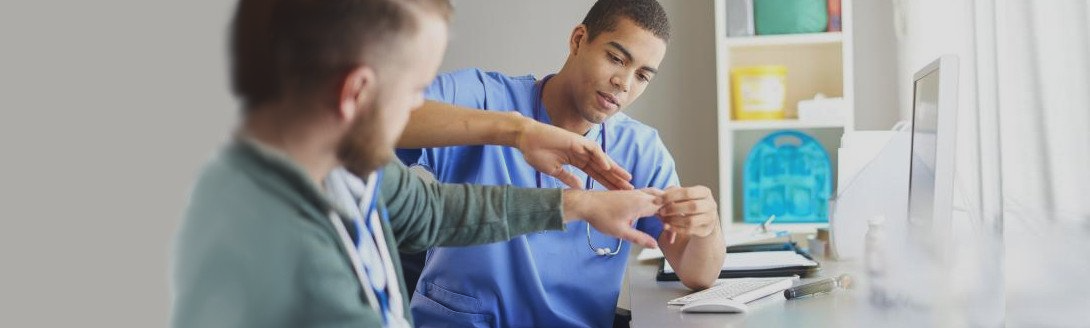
<point x="550" y="279"/>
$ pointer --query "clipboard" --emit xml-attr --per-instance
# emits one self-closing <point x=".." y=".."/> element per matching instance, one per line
<point x="801" y="271"/>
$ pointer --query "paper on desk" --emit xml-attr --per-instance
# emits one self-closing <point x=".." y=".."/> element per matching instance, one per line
<point x="732" y="239"/>
<point x="758" y="261"/>
<point x="650" y="254"/>
<point x="740" y="238"/>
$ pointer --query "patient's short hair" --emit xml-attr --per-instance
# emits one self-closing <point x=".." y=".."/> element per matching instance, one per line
<point x="304" y="45"/>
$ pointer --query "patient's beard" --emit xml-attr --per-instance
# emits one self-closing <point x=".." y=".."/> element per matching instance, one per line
<point x="363" y="149"/>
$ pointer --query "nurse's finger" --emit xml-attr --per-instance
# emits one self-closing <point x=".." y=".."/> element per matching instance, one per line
<point x="619" y="171"/>
<point x="673" y="232"/>
<point x="610" y="179"/>
<point x="568" y="178"/>
<point x="689" y="193"/>
<point x="620" y="178"/>
<point x="595" y="159"/>
<point x="597" y="176"/>
<point x="638" y="237"/>
<point x="669" y="231"/>
<point x="676" y="222"/>
<point x="598" y="158"/>
<point x="687" y="208"/>
<point x="654" y="192"/>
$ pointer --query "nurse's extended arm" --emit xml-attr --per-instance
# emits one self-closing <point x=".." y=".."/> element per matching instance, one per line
<point x="693" y="241"/>
<point x="547" y="148"/>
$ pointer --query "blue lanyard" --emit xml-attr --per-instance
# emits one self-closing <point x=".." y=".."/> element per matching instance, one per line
<point x="370" y="209"/>
<point x="364" y="229"/>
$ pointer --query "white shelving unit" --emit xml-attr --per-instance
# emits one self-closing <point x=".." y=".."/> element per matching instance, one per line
<point x="782" y="124"/>
<point x="816" y="63"/>
<point x="785" y="40"/>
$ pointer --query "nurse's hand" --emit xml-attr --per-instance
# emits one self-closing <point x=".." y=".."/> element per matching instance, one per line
<point x="613" y="212"/>
<point x="689" y="211"/>
<point x="548" y="148"/>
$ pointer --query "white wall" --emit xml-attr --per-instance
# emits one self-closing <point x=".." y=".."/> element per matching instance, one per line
<point x="524" y="36"/>
<point x="876" y="65"/>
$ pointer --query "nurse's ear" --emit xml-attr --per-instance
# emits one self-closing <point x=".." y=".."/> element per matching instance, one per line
<point x="356" y="90"/>
<point x="578" y="36"/>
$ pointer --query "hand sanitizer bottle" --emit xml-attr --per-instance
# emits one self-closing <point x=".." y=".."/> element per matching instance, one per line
<point x="875" y="261"/>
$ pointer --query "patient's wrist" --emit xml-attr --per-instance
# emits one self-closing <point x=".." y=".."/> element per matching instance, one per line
<point x="573" y="201"/>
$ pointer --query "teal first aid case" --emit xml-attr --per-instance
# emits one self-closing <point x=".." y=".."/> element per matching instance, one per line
<point x="790" y="16"/>
<point x="787" y="174"/>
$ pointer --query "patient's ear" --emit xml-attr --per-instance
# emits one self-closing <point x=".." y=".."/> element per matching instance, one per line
<point x="356" y="89"/>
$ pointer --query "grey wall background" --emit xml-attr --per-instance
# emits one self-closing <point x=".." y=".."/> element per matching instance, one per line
<point x="109" y="108"/>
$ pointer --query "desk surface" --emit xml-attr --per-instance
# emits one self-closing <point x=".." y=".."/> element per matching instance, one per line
<point x="843" y="308"/>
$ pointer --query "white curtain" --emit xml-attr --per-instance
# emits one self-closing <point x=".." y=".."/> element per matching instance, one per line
<point x="1022" y="176"/>
<point x="1043" y="116"/>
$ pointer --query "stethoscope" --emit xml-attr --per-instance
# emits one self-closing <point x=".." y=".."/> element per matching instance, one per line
<point x="600" y="251"/>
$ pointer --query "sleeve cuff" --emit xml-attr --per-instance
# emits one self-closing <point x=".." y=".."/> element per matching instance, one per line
<point x="531" y="210"/>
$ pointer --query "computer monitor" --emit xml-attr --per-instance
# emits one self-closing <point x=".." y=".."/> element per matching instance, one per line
<point x="931" y="173"/>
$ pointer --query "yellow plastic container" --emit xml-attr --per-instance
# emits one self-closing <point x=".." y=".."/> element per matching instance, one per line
<point x="758" y="92"/>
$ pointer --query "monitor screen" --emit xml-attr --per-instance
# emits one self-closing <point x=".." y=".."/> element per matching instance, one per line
<point x="925" y="117"/>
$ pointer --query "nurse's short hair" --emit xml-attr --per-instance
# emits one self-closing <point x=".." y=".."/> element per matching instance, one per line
<point x="647" y="14"/>
<point x="304" y="45"/>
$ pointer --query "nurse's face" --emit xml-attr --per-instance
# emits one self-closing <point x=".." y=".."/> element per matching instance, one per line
<point x="613" y="69"/>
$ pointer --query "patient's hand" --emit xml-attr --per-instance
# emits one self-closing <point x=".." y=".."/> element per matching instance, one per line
<point x="613" y="212"/>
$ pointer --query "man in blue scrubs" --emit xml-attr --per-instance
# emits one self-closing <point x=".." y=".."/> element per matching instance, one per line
<point x="569" y="278"/>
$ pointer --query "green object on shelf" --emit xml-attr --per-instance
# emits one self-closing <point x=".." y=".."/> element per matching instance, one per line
<point x="790" y="16"/>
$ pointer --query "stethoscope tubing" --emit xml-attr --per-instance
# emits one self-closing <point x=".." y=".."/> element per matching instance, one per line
<point x="604" y="251"/>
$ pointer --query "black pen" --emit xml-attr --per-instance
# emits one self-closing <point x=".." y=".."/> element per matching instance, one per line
<point x="821" y="286"/>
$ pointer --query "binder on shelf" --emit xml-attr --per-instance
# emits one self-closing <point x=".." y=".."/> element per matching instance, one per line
<point x="739" y="18"/>
<point x="834" y="16"/>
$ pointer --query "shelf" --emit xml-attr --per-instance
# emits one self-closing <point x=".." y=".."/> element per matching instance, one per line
<point x="782" y="124"/>
<point x="816" y="63"/>
<point x="784" y="40"/>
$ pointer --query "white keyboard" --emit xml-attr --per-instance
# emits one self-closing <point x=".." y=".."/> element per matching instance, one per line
<point x="741" y="290"/>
